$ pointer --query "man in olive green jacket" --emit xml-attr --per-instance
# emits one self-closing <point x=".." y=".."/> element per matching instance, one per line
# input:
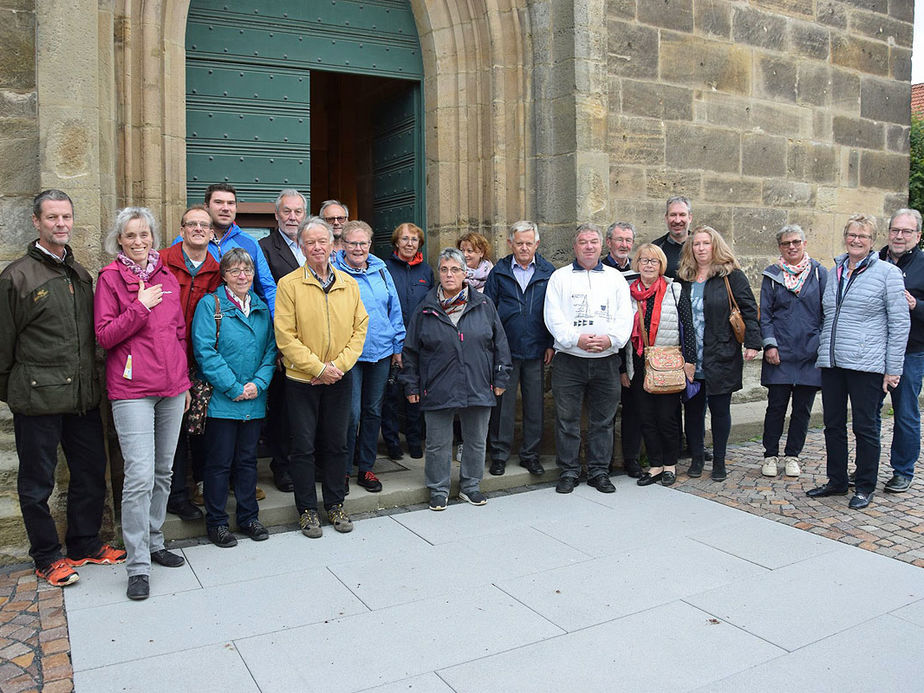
<point x="48" y="379"/>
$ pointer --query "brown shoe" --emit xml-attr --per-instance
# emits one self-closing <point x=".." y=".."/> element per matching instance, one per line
<point x="261" y="494"/>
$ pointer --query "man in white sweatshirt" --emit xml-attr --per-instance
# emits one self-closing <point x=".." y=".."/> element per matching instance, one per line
<point x="589" y="313"/>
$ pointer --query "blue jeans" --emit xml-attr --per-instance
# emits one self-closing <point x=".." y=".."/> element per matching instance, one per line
<point x="906" y="436"/>
<point x="366" y="413"/>
<point x="231" y="445"/>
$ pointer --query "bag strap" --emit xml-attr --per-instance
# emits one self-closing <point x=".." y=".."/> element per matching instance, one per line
<point x="218" y="317"/>
<point x="731" y="298"/>
<point x="641" y="323"/>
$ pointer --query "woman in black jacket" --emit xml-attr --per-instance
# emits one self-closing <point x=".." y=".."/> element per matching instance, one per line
<point x="455" y="361"/>
<point x="709" y="272"/>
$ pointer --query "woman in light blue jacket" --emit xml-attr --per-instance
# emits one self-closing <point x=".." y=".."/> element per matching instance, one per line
<point x="239" y="365"/>
<point x="861" y="353"/>
<point x="381" y="351"/>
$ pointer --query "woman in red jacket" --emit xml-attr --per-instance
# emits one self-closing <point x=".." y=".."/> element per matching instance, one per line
<point x="139" y="321"/>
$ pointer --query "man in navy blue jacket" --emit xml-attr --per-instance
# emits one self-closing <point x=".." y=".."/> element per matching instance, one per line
<point x="517" y="287"/>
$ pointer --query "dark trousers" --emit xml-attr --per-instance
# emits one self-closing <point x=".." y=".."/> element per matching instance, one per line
<point x="630" y="426"/>
<point x="864" y="390"/>
<point x="81" y="438"/>
<point x="657" y="417"/>
<point x="369" y="379"/>
<point x="576" y="381"/>
<point x="232" y="446"/>
<point x="778" y="396"/>
<point x="720" y="410"/>
<point x="276" y="424"/>
<point x="395" y="402"/>
<point x="318" y="418"/>
<point x="190" y="453"/>
<point x="528" y="375"/>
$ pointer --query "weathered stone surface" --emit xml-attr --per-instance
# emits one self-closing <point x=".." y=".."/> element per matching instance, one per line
<point x="860" y="54"/>
<point x="811" y="162"/>
<point x="695" y="146"/>
<point x="857" y="132"/>
<point x="763" y="155"/>
<point x="668" y="14"/>
<point x="787" y="193"/>
<point x="897" y="138"/>
<point x="656" y="100"/>
<point x="624" y="9"/>
<point x="17" y="58"/>
<point x="822" y="125"/>
<point x="646" y="215"/>
<point x="881" y="6"/>
<point x="636" y="141"/>
<point x="777" y="78"/>
<point x="712" y="18"/>
<point x="756" y="227"/>
<point x="695" y="62"/>
<point x="845" y="91"/>
<point x="793" y="8"/>
<point x="717" y="216"/>
<point x="736" y="191"/>
<point x="900" y="63"/>
<point x="851" y="167"/>
<point x="627" y="182"/>
<point x="880" y="27"/>
<point x="831" y="13"/>
<point x="663" y="183"/>
<point x="19" y="174"/>
<point x="593" y="177"/>
<point x="902" y="9"/>
<point x="758" y="28"/>
<point x="884" y="100"/>
<point x="813" y="83"/>
<point x="632" y="50"/>
<point x="809" y="40"/>
<point x="15" y="104"/>
<point x="883" y="170"/>
<point x="781" y="119"/>
<point x="16" y="228"/>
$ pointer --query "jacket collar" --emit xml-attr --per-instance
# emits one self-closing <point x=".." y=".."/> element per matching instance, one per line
<point x="905" y="258"/>
<point x="577" y="268"/>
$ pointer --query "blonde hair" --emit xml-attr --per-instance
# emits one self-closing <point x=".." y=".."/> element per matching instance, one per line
<point x="723" y="260"/>
<point x="863" y="221"/>
<point x="649" y="249"/>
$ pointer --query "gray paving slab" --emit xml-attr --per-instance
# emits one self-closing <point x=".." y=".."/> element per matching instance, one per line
<point x="609" y="587"/>
<point x="175" y="622"/>
<point x="425" y="683"/>
<point x="213" y="669"/>
<point x="409" y="640"/>
<point x="888" y="658"/>
<point x="810" y="600"/>
<point x="913" y="612"/>
<point x="765" y="542"/>
<point x="691" y="650"/>
<point x="105" y="584"/>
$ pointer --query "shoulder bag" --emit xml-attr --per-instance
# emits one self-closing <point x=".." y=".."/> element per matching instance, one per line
<point x="734" y="315"/>
<point x="200" y="392"/>
<point x="664" y="373"/>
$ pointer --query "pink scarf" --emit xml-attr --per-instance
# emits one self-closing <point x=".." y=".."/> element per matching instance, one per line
<point x="794" y="276"/>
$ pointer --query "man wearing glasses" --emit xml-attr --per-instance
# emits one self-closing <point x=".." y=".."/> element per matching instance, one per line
<point x="336" y="214"/>
<point x="903" y="252"/>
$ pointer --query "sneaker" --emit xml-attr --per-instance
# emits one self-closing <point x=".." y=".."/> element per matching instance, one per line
<point x="107" y="555"/>
<point x="310" y="524"/>
<point x="475" y="497"/>
<point x="437" y="501"/>
<point x="59" y="573"/>
<point x="197" y="498"/>
<point x="221" y="536"/>
<point x="139" y="587"/>
<point x="255" y="530"/>
<point x="339" y="519"/>
<point x="261" y="494"/>
<point x="769" y="468"/>
<point x="792" y="466"/>
<point x="370" y="482"/>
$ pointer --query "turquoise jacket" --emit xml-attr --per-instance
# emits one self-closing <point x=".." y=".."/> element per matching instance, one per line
<point x="245" y="353"/>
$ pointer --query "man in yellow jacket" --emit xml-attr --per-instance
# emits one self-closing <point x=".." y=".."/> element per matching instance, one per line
<point x="320" y="330"/>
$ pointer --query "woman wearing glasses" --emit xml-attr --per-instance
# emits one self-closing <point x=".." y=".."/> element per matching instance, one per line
<point x="456" y="360"/>
<point x="861" y="354"/>
<point x="790" y="325"/>
<point x="657" y="322"/>
<point x="239" y="364"/>
<point x="382" y="349"/>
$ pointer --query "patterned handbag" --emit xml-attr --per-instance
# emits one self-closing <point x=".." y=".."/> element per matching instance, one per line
<point x="664" y="373"/>
<point x="200" y="392"/>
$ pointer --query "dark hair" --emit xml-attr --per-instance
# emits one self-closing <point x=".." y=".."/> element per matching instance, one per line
<point x="51" y="194"/>
<point x="219" y="187"/>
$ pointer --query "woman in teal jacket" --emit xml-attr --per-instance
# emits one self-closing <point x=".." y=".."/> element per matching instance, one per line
<point x="239" y="365"/>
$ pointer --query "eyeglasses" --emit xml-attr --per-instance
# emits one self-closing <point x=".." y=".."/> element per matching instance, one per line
<point x="451" y="270"/>
<point x="357" y="244"/>
<point x="784" y="244"/>
<point x="649" y="261"/>
<point x="409" y="239"/>
<point x="197" y="225"/>
<point x="902" y="232"/>
<point x="240" y="271"/>
<point x="857" y="236"/>
<point x="335" y="220"/>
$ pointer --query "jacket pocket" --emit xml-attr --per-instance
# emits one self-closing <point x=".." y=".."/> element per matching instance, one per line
<point x="36" y="390"/>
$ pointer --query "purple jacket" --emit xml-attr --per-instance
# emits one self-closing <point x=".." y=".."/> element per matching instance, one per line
<point x="154" y="339"/>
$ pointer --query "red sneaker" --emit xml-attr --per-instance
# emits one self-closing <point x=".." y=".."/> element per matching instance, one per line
<point x="107" y="555"/>
<point x="59" y="574"/>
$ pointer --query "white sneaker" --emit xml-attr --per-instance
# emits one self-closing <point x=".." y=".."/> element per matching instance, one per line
<point x="769" y="468"/>
<point x="792" y="466"/>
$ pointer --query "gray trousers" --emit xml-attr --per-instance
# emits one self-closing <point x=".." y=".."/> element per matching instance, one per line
<point x="148" y="430"/>
<point x="529" y="375"/>
<point x="438" y="465"/>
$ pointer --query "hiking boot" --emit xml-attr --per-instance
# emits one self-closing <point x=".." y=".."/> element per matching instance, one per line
<point x="255" y="530"/>
<point x="106" y="555"/>
<point x="770" y="468"/>
<point x="369" y="481"/>
<point x="310" y="524"/>
<point x="718" y="470"/>
<point x="59" y="573"/>
<point x="197" y="498"/>
<point x="339" y="519"/>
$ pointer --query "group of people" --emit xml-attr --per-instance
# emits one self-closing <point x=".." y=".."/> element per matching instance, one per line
<point x="311" y="342"/>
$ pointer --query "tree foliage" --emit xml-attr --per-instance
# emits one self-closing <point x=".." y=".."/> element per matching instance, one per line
<point x="916" y="178"/>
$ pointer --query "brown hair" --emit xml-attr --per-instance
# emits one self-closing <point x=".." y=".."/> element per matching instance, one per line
<point x="723" y="260"/>
<point x="479" y="243"/>
<point x="400" y="229"/>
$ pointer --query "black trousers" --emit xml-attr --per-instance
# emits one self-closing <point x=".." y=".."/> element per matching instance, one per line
<point x="319" y="417"/>
<point x="81" y="438"/>
<point x="720" y="410"/>
<point x="657" y="419"/>
<point x="276" y="424"/>
<point x="778" y="396"/>
<point x="190" y="453"/>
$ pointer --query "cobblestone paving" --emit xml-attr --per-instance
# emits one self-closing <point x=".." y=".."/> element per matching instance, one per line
<point x="892" y="525"/>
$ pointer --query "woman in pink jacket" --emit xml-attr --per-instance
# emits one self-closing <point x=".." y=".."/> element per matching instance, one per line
<point x="139" y="321"/>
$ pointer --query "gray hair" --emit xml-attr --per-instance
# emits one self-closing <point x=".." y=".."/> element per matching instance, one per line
<point x="235" y="256"/>
<point x="522" y="226"/>
<point x="910" y="212"/>
<point x="865" y="221"/>
<point x="291" y="192"/>
<point x="111" y="243"/>
<point x="625" y="225"/>
<point x="310" y="222"/>
<point x="453" y="254"/>
<point x="674" y="200"/>
<point x="788" y="229"/>
<point x="583" y="228"/>
<point x="331" y="203"/>
<point x="356" y="225"/>
<point x="56" y="195"/>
